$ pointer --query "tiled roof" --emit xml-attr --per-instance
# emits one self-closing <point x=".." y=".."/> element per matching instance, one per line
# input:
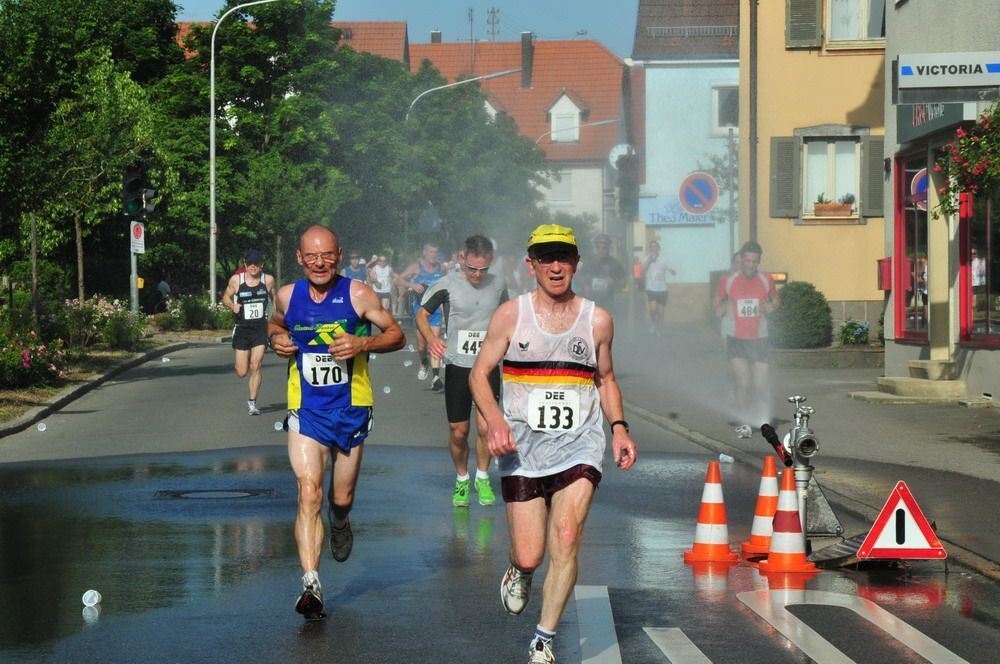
<point x="687" y="30"/>
<point x="583" y="69"/>
<point x="385" y="38"/>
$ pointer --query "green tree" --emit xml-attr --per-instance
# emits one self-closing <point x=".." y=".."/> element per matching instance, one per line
<point x="103" y="125"/>
<point x="40" y="46"/>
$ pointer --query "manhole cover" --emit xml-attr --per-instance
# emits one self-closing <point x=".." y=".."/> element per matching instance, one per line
<point x="215" y="494"/>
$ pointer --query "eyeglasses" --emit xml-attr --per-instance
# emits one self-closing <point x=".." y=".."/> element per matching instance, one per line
<point x="560" y="256"/>
<point x="327" y="256"/>
<point x="476" y="270"/>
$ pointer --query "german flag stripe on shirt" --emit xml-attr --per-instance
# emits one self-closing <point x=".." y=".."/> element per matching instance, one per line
<point x="571" y="373"/>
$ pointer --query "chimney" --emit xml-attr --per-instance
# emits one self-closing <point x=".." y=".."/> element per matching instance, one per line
<point x="435" y="36"/>
<point x="527" y="58"/>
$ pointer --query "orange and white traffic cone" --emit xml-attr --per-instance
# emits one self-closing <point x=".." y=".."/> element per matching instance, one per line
<point x="711" y="537"/>
<point x="763" y="514"/>
<point x="787" y="552"/>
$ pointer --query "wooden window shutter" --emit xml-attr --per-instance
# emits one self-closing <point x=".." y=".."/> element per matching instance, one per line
<point x="872" y="176"/>
<point x="786" y="175"/>
<point x="802" y="23"/>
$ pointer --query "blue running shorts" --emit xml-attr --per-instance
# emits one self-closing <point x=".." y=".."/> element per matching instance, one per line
<point x="344" y="427"/>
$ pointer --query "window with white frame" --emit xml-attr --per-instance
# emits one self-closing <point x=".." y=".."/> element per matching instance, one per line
<point x="561" y="188"/>
<point x="830" y="170"/>
<point x="565" y="127"/>
<point x="725" y="109"/>
<point x="855" y="20"/>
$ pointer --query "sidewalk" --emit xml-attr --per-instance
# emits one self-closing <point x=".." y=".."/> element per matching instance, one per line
<point x="948" y="455"/>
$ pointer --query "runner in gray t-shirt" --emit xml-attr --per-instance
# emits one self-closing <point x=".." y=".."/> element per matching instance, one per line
<point x="471" y="296"/>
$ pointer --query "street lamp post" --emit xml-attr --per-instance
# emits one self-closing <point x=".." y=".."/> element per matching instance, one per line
<point x="497" y="74"/>
<point x="585" y="124"/>
<point x="213" y="228"/>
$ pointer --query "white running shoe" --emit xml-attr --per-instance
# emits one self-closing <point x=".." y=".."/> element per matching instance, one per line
<point x="515" y="590"/>
<point x="423" y="373"/>
<point x="540" y="652"/>
<point x="252" y="408"/>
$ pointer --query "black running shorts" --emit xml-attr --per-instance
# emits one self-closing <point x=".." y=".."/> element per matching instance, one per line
<point x="752" y="350"/>
<point x="520" y="489"/>
<point x="458" y="394"/>
<point x="245" y="338"/>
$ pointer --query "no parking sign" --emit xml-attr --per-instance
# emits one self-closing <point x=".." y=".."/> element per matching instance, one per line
<point x="699" y="193"/>
<point x="918" y="189"/>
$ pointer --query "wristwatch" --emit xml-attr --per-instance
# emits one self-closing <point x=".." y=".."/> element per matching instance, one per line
<point x="621" y="422"/>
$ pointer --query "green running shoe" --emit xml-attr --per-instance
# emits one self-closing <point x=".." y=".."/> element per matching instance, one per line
<point x="485" y="491"/>
<point x="460" y="497"/>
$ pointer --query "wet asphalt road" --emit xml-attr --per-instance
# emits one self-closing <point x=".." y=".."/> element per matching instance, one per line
<point x="160" y="492"/>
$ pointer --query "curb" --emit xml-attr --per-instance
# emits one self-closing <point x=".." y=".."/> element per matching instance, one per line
<point x="74" y="392"/>
<point x="861" y="510"/>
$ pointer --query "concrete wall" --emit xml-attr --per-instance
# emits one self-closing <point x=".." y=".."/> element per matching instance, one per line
<point x="679" y="141"/>
<point x="800" y="88"/>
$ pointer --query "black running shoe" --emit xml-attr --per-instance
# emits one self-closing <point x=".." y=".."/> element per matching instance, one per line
<point x="310" y="604"/>
<point x="437" y="384"/>
<point x="341" y="542"/>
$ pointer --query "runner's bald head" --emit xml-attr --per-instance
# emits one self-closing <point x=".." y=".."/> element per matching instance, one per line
<point x="321" y="233"/>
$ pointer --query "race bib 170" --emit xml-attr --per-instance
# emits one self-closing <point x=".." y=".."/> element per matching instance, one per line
<point x="554" y="410"/>
<point x="470" y="341"/>
<point x="321" y="370"/>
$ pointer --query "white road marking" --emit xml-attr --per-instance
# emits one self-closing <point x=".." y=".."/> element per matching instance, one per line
<point x="674" y="643"/>
<point x="771" y="606"/>
<point x="598" y="640"/>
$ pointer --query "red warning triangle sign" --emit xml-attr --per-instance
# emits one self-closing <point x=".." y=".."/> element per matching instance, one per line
<point x="901" y="530"/>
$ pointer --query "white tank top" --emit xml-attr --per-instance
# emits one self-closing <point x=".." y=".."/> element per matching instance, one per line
<point x="381" y="283"/>
<point x="550" y="399"/>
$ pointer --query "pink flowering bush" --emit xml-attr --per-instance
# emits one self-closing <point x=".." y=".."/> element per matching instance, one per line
<point x="971" y="162"/>
<point x="100" y="320"/>
<point x="26" y="361"/>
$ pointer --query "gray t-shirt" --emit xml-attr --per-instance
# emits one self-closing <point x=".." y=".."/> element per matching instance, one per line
<point x="469" y="312"/>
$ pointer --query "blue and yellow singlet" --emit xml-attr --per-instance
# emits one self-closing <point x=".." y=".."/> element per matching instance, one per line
<point x="316" y="381"/>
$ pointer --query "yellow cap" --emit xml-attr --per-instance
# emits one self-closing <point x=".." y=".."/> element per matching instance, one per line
<point x="552" y="233"/>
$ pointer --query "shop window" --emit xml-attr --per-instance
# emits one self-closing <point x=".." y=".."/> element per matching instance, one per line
<point x="830" y="177"/>
<point x="561" y="189"/>
<point x="983" y="259"/>
<point x="856" y="20"/>
<point x="725" y="109"/>
<point x="911" y="250"/>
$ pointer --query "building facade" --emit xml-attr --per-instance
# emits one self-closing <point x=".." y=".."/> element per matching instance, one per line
<point x="689" y="53"/>
<point x="811" y="145"/>
<point x="568" y="99"/>
<point x="943" y="311"/>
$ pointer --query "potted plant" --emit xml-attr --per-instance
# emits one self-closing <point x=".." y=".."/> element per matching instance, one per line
<point x="824" y="207"/>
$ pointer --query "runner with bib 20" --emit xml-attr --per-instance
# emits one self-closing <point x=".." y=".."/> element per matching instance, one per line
<point x="249" y="295"/>
<point x="472" y="296"/>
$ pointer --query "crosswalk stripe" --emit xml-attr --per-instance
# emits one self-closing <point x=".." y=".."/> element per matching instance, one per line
<point x="598" y="640"/>
<point x="674" y="643"/>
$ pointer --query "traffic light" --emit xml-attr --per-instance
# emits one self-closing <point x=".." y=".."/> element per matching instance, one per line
<point x="627" y="198"/>
<point x="133" y="187"/>
<point x="137" y="200"/>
